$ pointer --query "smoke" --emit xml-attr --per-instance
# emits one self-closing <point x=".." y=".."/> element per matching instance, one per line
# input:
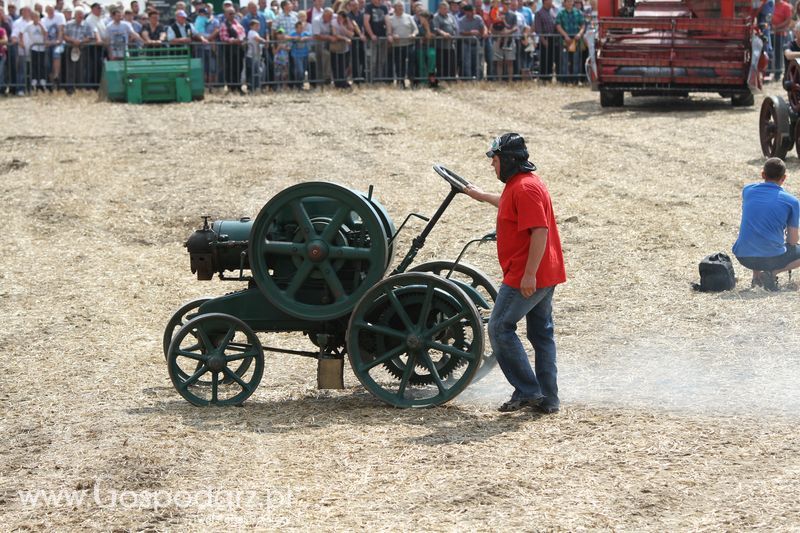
<point x="734" y="376"/>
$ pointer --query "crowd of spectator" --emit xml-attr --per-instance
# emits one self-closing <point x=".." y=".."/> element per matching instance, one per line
<point x="778" y="21"/>
<point x="278" y="43"/>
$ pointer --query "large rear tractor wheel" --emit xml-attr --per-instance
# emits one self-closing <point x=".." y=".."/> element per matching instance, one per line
<point x="480" y="282"/>
<point x="415" y="340"/>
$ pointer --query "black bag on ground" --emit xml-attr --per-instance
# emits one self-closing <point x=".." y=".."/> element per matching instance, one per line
<point x="716" y="273"/>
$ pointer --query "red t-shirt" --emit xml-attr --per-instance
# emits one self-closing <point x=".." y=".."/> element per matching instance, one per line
<point x="525" y="204"/>
<point x="783" y="11"/>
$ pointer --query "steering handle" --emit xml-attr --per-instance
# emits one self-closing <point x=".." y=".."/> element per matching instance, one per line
<point x="455" y="181"/>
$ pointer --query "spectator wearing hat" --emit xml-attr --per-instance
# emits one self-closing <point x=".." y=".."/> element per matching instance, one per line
<point x="404" y="31"/>
<point x="79" y="36"/>
<point x="68" y="14"/>
<point x="445" y="27"/>
<point x="530" y="256"/>
<point x="545" y="27"/>
<point x="472" y="29"/>
<point x="232" y="35"/>
<point x="182" y="31"/>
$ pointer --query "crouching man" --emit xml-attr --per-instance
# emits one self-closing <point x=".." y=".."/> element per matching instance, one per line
<point x="529" y="251"/>
<point x="768" y="234"/>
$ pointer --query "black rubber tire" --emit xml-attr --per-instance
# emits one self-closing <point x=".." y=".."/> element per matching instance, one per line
<point x="743" y="100"/>
<point x="611" y="98"/>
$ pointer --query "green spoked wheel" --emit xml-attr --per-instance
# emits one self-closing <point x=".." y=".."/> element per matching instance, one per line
<point x="481" y="283"/>
<point x="415" y="340"/>
<point x="222" y="350"/>
<point x="316" y="248"/>
<point x="184" y="313"/>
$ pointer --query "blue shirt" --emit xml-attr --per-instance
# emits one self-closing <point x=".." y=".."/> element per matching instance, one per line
<point x="300" y="48"/>
<point x="767" y="210"/>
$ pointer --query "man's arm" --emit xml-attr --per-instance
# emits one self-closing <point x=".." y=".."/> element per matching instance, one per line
<point x="535" y="253"/>
<point x="792" y="235"/>
<point x="488" y="197"/>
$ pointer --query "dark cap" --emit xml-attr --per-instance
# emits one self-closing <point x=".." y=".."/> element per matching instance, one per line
<point x="96" y="5"/>
<point x="509" y="144"/>
<point x="203" y="11"/>
<point x="467" y="7"/>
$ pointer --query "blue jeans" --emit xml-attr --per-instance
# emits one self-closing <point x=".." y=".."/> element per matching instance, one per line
<point x="509" y="308"/>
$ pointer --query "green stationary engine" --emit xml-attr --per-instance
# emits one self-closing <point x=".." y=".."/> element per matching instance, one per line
<point x="314" y="261"/>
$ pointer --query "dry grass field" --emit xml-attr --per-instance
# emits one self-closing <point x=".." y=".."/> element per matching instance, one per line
<point x="679" y="408"/>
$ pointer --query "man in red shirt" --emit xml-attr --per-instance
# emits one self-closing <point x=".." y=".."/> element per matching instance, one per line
<point x="781" y="22"/>
<point x="529" y="251"/>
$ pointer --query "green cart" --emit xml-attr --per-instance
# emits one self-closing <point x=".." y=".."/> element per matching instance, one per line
<point x="155" y="75"/>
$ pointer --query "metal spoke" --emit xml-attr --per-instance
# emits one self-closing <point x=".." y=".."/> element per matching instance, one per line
<point x="191" y="355"/>
<point x="197" y="375"/>
<point x="446" y="324"/>
<point x="299" y="277"/>
<point x="426" y="307"/>
<point x="239" y="346"/>
<point x="452" y="350"/>
<point x="333" y="281"/>
<point x="303" y="219"/>
<point x="235" y="377"/>
<point x="410" y="362"/>
<point x="398" y="307"/>
<point x="207" y="344"/>
<point x="391" y="354"/>
<point x="214" y="386"/>
<point x="426" y="358"/>
<point x="243" y="355"/>
<point x="335" y="223"/>
<point x="380" y="330"/>
<point x="226" y="339"/>
<point x="280" y="248"/>
<point x="351" y="252"/>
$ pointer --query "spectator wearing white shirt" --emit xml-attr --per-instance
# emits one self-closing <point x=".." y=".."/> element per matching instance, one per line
<point x="404" y="31"/>
<point x="54" y="23"/>
<point x="19" y="56"/>
<point x="35" y="37"/>
<point x="118" y="35"/>
<point x="97" y="23"/>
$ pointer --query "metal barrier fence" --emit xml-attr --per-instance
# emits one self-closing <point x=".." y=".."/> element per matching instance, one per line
<point x="284" y="64"/>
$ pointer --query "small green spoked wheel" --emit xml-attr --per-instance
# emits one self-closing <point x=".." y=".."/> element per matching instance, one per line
<point x="222" y="347"/>
<point x="419" y="325"/>
<point x="184" y="313"/>
<point x="479" y="281"/>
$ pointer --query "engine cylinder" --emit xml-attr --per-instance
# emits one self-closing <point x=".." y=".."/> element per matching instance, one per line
<point x="219" y="247"/>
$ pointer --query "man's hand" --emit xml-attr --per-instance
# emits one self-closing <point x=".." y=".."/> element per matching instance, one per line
<point x="474" y="192"/>
<point x="528" y="285"/>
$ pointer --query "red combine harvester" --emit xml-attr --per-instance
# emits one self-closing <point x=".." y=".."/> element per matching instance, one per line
<point x="673" y="47"/>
